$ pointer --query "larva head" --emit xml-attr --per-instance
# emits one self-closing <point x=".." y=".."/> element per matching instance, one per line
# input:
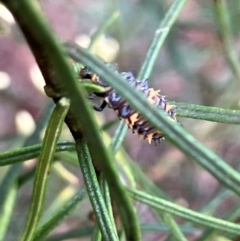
<point x="86" y="73"/>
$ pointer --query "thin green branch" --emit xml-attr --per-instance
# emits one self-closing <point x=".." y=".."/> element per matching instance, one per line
<point x="66" y="210"/>
<point x="226" y="37"/>
<point x="27" y="176"/>
<point x="96" y="234"/>
<point x="109" y="22"/>
<point x="174" y="209"/>
<point x="145" y="183"/>
<point x="145" y="227"/>
<point x="233" y="215"/>
<point x="149" y="186"/>
<point x="8" y="190"/>
<point x="208" y="113"/>
<point x="77" y="233"/>
<point x="118" y="137"/>
<point x="160" y="36"/>
<point x="43" y="168"/>
<point x="107" y="198"/>
<point x="30" y="152"/>
<point x="9" y="185"/>
<point x="94" y="192"/>
<point x="174" y="228"/>
<point x="152" y="54"/>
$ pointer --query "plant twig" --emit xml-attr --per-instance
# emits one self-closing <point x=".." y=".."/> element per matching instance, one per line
<point x="226" y="37"/>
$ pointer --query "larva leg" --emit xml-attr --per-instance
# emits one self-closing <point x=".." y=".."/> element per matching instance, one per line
<point x="101" y="107"/>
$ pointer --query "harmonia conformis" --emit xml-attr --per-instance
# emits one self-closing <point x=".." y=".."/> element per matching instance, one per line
<point x="132" y="118"/>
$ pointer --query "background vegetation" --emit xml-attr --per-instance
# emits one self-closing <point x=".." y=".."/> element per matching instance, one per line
<point x="189" y="51"/>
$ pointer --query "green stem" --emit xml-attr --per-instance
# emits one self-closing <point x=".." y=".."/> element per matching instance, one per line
<point x="60" y="216"/>
<point x="175" y="230"/>
<point x="94" y="192"/>
<point x="43" y="168"/>
<point x="118" y="137"/>
<point x="208" y="113"/>
<point x="30" y="152"/>
<point x="152" y="54"/>
<point x="160" y="36"/>
<point x="174" y="209"/>
<point x="226" y="37"/>
<point x="7" y="208"/>
<point x="114" y="16"/>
